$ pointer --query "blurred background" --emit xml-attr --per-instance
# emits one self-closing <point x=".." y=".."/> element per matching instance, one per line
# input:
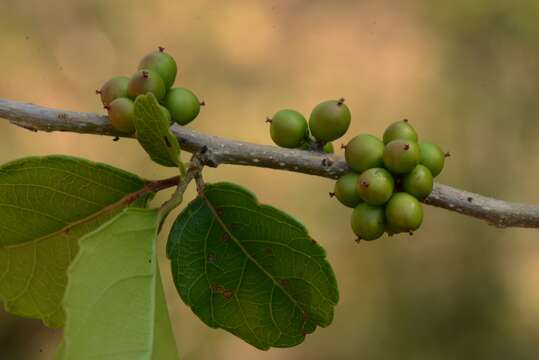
<point x="466" y="74"/>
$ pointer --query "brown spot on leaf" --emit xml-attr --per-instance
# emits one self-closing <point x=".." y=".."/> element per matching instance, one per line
<point x="216" y="287"/>
<point x="227" y="294"/>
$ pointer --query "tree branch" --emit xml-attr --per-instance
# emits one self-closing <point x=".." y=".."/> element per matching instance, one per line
<point x="216" y="150"/>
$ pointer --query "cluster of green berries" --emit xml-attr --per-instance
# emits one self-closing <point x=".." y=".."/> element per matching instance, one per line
<point x="329" y="121"/>
<point x="388" y="180"/>
<point x="156" y="74"/>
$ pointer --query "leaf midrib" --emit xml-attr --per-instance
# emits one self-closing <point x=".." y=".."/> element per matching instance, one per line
<point x="248" y="255"/>
<point x="125" y="200"/>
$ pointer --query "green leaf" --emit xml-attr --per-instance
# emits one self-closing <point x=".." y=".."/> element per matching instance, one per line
<point x="250" y="269"/>
<point x="114" y="300"/>
<point x="153" y="131"/>
<point x="46" y="205"/>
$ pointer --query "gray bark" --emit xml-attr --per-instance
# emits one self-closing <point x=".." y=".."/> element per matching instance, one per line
<point x="216" y="151"/>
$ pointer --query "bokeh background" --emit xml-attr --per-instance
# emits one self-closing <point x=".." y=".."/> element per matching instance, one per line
<point x="466" y="74"/>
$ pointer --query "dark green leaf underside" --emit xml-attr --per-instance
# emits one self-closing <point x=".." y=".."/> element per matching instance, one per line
<point x="114" y="301"/>
<point x="153" y="132"/>
<point x="48" y="203"/>
<point x="250" y="269"/>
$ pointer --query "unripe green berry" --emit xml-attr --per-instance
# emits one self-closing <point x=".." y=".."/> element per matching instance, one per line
<point x="122" y="114"/>
<point x="183" y="105"/>
<point x="145" y="81"/>
<point x="166" y="113"/>
<point x="288" y="128"/>
<point x="346" y="190"/>
<point x="113" y="89"/>
<point x="432" y="157"/>
<point x="400" y="130"/>
<point x="328" y="148"/>
<point x="404" y="212"/>
<point x="364" y="152"/>
<point x="401" y="156"/>
<point x="163" y="64"/>
<point x="329" y="120"/>
<point x="418" y="182"/>
<point x="391" y="229"/>
<point x="375" y="186"/>
<point x="368" y="221"/>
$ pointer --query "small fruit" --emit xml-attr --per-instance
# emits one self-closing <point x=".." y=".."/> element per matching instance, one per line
<point x="432" y="157"/>
<point x="183" y="105"/>
<point x="121" y="114"/>
<point x="329" y="120"/>
<point x="419" y="182"/>
<point x="404" y="212"/>
<point x="113" y="89"/>
<point x="328" y="148"/>
<point x="145" y="81"/>
<point x="400" y="130"/>
<point x="346" y="190"/>
<point x="288" y="128"/>
<point x="165" y="112"/>
<point x="401" y="156"/>
<point x="368" y="221"/>
<point x="364" y="152"/>
<point x="163" y="64"/>
<point x="375" y="186"/>
<point x="391" y="229"/>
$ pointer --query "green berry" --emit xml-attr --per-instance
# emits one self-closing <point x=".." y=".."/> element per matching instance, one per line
<point x="432" y="157"/>
<point x="419" y="182"/>
<point x="329" y="120"/>
<point x="404" y="212"/>
<point x="401" y="156"/>
<point x="163" y="64"/>
<point x="113" y="89"/>
<point x="165" y="112"/>
<point x="400" y="130"/>
<point x="364" y="152"/>
<point x="183" y="105"/>
<point x="375" y="186"/>
<point x="145" y="81"/>
<point x="328" y="148"/>
<point x="122" y="114"/>
<point x="391" y="229"/>
<point x="368" y="221"/>
<point x="288" y="128"/>
<point x="346" y="190"/>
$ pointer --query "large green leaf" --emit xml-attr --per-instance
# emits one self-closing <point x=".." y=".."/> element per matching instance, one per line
<point x="250" y="269"/>
<point x="153" y="131"/>
<point x="114" y="300"/>
<point x="46" y="205"/>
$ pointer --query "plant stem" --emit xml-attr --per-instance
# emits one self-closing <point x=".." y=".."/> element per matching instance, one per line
<point x="217" y="151"/>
